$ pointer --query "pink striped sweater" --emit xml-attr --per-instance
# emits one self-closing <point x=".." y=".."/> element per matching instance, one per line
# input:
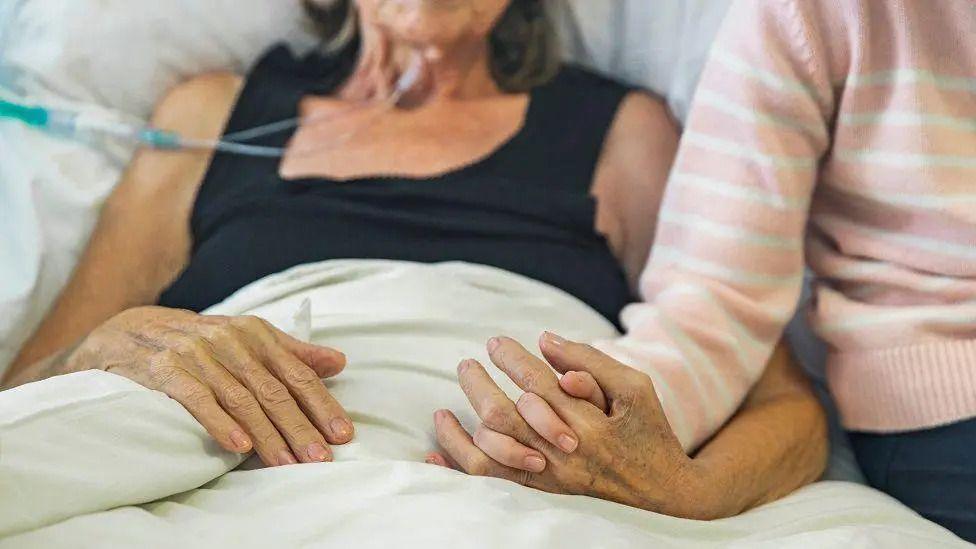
<point x="841" y="135"/>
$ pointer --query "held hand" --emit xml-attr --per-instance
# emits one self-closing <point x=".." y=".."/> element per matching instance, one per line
<point x="624" y="448"/>
<point x="250" y="385"/>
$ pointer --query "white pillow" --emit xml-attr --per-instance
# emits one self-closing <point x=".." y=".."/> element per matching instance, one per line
<point x="124" y="54"/>
<point x="660" y="45"/>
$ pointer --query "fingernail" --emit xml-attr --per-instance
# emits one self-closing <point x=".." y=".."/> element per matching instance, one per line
<point x="240" y="440"/>
<point x="341" y="429"/>
<point x="554" y="339"/>
<point x="285" y="458"/>
<point x="438" y="416"/>
<point x="317" y="452"/>
<point x="567" y="443"/>
<point x="493" y="344"/>
<point x="535" y="464"/>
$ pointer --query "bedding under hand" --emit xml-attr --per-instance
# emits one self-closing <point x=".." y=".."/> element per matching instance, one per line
<point x="252" y="386"/>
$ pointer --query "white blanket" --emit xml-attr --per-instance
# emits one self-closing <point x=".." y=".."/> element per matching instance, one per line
<point x="93" y="460"/>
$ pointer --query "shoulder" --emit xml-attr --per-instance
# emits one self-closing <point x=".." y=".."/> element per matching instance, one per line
<point x="642" y="118"/>
<point x="199" y="106"/>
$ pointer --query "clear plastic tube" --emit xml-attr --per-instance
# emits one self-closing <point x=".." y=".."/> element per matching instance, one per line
<point x="82" y="127"/>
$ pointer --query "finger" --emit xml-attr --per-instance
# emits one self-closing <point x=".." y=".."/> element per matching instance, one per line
<point x="459" y="446"/>
<point x="436" y="458"/>
<point x="305" y="441"/>
<point x="315" y="400"/>
<point x="493" y="406"/>
<point x="508" y="451"/>
<point x="324" y="361"/>
<point x="273" y="397"/>
<point x="582" y="385"/>
<point x="544" y="420"/>
<point x="530" y="373"/>
<point x="240" y="403"/>
<point x="199" y="400"/>
<point x="613" y="377"/>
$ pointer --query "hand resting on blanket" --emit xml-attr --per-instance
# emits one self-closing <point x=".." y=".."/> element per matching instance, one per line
<point x="249" y="384"/>
<point x="625" y="453"/>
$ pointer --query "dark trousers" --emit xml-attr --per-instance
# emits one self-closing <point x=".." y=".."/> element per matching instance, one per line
<point x="931" y="471"/>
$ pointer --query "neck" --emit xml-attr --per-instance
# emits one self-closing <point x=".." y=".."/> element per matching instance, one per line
<point x="455" y="71"/>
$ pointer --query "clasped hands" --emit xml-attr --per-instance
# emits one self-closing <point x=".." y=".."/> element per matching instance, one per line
<point x="599" y="430"/>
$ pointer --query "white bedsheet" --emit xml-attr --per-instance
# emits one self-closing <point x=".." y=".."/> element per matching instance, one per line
<point x="93" y="460"/>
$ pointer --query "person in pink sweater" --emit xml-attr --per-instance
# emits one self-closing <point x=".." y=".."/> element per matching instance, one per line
<point x="838" y="136"/>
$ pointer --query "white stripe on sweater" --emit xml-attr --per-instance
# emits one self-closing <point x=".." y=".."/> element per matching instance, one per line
<point x="715" y="229"/>
<point x="668" y="254"/>
<point x="908" y="77"/>
<point x="732" y="148"/>
<point x="767" y="78"/>
<point x="759" y="118"/>
<point x="738" y="191"/>
<point x="908" y="119"/>
<point x="963" y="313"/>
<point x="907" y="160"/>
<point x="933" y="245"/>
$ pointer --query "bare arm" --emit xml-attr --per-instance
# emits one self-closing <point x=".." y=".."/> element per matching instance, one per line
<point x="142" y="239"/>
<point x="775" y="444"/>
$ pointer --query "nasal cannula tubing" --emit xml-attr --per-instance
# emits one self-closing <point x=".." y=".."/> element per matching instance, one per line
<point x="75" y="125"/>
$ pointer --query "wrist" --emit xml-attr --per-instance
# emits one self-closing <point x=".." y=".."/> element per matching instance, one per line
<point x="715" y="490"/>
<point x="702" y="492"/>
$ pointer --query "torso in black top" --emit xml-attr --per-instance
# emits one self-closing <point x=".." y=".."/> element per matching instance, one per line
<point x="526" y="208"/>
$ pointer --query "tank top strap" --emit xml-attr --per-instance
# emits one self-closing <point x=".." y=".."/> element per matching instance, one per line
<point x="565" y="129"/>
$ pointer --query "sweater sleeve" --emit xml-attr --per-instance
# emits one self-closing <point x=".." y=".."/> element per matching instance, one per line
<point x="727" y="266"/>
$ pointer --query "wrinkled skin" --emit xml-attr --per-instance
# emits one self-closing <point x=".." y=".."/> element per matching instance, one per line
<point x="629" y="455"/>
<point x="249" y="384"/>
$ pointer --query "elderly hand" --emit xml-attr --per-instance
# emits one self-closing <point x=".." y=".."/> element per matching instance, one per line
<point x="567" y="436"/>
<point x="250" y="385"/>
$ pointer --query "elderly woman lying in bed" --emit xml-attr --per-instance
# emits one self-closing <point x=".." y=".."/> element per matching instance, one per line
<point x="495" y="155"/>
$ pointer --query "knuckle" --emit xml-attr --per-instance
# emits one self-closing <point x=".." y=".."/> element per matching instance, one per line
<point x="301" y="377"/>
<point x="642" y="381"/>
<point x="238" y="399"/>
<point x="195" y="398"/>
<point x="273" y="392"/>
<point x="526" y="403"/>
<point x="497" y="417"/>
<point x="302" y="431"/>
<point x="250" y="323"/>
<point x="193" y="345"/>
<point x="480" y="466"/>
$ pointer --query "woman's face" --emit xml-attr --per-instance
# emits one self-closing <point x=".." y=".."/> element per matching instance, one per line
<point x="427" y="23"/>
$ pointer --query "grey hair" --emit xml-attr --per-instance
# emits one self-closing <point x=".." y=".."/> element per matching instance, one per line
<point x="524" y="46"/>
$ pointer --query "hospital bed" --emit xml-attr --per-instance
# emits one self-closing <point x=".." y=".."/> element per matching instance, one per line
<point x="78" y="466"/>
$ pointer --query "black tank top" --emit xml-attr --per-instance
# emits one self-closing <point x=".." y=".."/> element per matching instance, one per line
<point x="526" y="208"/>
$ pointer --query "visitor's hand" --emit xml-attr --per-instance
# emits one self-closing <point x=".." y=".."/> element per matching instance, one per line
<point x="598" y="431"/>
<point x="250" y="385"/>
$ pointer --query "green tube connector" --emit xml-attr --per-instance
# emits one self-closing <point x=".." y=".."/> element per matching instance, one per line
<point x="32" y="116"/>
